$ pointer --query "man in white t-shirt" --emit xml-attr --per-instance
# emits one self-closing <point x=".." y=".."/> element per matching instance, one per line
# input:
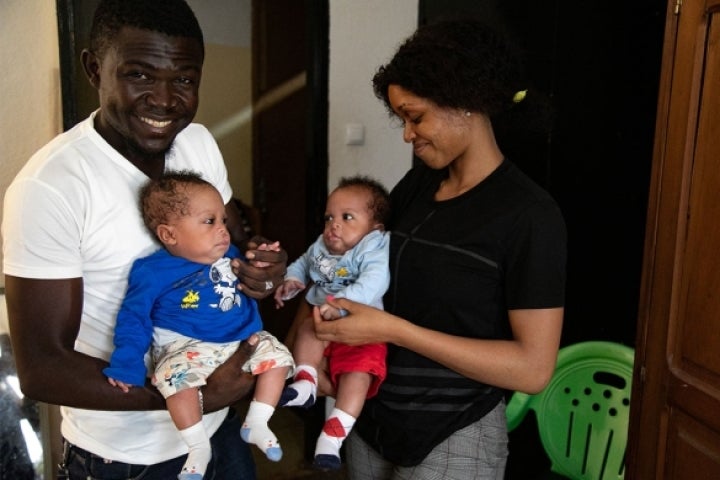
<point x="72" y="229"/>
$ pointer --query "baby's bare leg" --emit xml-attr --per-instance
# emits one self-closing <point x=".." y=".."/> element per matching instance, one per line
<point x="308" y="353"/>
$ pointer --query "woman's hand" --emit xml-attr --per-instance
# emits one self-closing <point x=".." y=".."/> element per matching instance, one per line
<point x="265" y="269"/>
<point x="362" y="325"/>
<point x="523" y="363"/>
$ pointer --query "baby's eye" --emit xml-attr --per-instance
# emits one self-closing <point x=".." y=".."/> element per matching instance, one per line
<point x="347" y="216"/>
<point x="328" y="218"/>
<point x="209" y="221"/>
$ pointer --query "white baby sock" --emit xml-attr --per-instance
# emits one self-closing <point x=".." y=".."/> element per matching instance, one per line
<point x="255" y="430"/>
<point x="199" y="453"/>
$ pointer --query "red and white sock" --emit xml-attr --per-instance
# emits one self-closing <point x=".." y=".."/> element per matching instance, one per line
<point x="334" y="432"/>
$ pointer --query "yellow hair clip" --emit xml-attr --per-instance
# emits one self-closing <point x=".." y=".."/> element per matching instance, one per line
<point x="519" y="96"/>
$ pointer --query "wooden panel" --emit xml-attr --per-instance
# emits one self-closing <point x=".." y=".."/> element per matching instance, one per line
<point x="698" y="336"/>
<point x="675" y="426"/>
<point x="693" y="449"/>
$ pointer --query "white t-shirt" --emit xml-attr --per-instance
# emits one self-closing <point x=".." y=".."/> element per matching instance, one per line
<point x="72" y="211"/>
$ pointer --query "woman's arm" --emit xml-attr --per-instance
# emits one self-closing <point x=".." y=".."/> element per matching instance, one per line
<point x="525" y="363"/>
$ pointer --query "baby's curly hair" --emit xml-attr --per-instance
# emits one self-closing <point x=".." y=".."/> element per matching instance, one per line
<point x="379" y="203"/>
<point x="458" y="63"/>
<point x="168" y="196"/>
<point x="171" y="17"/>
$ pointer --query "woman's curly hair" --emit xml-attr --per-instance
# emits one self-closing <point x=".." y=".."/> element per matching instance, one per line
<point x="461" y="64"/>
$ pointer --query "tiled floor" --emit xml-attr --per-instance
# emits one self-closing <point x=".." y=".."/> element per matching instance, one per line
<point x="289" y="428"/>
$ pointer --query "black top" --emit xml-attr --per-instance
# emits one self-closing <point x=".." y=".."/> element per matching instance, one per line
<point x="457" y="266"/>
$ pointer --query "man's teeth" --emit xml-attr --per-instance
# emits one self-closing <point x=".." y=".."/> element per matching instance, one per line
<point x="155" y="123"/>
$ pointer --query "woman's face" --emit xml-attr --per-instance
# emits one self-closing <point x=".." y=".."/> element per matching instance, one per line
<point x="439" y="135"/>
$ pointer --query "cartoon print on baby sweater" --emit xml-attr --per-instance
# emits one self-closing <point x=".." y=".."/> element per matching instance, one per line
<point x="326" y="266"/>
<point x="224" y="279"/>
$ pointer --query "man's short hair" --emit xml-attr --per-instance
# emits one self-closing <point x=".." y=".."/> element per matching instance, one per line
<point x="171" y="17"/>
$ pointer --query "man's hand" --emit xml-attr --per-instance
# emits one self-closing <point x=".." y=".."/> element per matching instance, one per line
<point x="229" y="384"/>
<point x="265" y="269"/>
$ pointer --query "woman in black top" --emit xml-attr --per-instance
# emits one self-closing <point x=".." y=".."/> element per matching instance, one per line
<point x="475" y="306"/>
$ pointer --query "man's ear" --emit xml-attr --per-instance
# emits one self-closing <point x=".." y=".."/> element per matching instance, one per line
<point x="166" y="234"/>
<point x="91" y="66"/>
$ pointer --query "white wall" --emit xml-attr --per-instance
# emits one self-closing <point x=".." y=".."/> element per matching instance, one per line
<point x="363" y="35"/>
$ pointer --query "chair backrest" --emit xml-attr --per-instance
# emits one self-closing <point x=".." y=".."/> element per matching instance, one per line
<point x="583" y="413"/>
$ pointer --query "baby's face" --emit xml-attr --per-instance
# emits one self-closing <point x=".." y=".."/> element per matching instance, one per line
<point x="201" y="236"/>
<point x="347" y="219"/>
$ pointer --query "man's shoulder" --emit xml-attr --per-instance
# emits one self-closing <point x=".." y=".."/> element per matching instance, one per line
<point x="62" y="153"/>
<point x="195" y="131"/>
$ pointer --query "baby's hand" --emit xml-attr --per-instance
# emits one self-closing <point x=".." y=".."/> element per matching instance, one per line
<point x="329" y="312"/>
<point x="288" y="290"/>
<point x="121" y="385"/>
<point x="273" y="247"/>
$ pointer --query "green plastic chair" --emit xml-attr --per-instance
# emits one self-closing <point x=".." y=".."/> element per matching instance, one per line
<point x="583" y="413"/>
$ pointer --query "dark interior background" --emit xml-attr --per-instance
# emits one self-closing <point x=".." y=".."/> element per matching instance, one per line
<point x="599" y="64"/>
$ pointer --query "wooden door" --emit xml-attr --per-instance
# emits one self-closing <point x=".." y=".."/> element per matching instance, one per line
<point x="289" y="57"/>
<point x="675" y="410"/>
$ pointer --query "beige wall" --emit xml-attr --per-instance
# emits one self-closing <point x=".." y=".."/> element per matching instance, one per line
<point x="225" y="97"/>
<point x="30" y="112"/>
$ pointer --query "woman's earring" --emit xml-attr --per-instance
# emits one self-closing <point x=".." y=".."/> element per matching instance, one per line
<point x="467" y="113"/>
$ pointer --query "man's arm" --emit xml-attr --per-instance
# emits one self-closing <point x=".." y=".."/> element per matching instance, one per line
<point x="44" y="320"/>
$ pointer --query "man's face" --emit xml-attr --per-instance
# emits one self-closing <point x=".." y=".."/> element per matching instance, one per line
<point x="148" y="89"/>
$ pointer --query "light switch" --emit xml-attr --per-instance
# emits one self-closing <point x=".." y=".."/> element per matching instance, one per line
<point x="354" y="134"/>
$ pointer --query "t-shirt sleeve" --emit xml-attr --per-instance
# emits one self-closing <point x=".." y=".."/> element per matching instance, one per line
<point x="202" y="154"/>
<point x="41" y="233"/>
<point x="535" y="271"/>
